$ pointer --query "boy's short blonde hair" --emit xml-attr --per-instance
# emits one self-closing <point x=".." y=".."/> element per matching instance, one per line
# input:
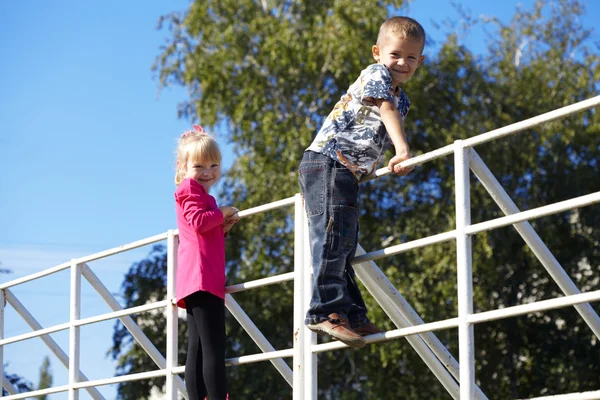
<point x="196" y="145"/>
<point x="401" y="27"/>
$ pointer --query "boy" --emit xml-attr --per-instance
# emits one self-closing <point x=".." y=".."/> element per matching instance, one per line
<point x="348" y="146"/>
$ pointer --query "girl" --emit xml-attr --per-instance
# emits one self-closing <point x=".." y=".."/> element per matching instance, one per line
<point x="201" y="262"/>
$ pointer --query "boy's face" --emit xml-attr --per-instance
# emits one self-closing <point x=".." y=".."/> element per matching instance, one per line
<point x="401" y="56"/>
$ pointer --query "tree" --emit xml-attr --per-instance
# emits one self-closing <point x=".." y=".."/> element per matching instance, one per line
<point x="45" y="378"/>
<point x="270" y="75"/>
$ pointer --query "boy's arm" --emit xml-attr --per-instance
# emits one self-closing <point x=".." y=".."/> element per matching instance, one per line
<point x="395" y="127"/>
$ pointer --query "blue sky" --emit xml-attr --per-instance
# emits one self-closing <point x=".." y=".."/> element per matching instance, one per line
<point x="86" y="152"/>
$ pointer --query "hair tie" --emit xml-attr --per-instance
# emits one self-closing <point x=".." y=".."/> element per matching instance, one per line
<point x="197" y="128"/>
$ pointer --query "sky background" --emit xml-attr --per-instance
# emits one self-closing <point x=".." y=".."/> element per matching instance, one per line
<point x="87" y="146"/>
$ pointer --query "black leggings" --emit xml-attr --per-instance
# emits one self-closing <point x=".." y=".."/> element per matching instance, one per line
<point x="205" y="364"/>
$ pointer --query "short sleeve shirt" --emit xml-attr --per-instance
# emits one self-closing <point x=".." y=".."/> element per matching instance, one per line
<point x="354" y="134"/>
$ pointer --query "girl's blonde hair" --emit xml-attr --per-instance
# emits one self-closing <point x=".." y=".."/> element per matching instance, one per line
<point x="196" y="145"/>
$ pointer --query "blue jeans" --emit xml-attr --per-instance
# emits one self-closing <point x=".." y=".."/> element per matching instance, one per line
<point x="330" y="193"/>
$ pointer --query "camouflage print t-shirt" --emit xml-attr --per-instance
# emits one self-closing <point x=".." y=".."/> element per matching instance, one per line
<point x="353" y="133"/>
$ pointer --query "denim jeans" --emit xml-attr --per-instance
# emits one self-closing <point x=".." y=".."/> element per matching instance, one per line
<point x="330" y="193"/>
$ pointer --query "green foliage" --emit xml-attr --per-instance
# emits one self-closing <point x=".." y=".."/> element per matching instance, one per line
<point x="20" y="384"/>
<point x="270" y="72"/>
<point x="45" y="378"/>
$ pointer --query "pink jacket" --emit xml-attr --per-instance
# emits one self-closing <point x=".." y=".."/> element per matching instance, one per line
<point x="201" y="256"/>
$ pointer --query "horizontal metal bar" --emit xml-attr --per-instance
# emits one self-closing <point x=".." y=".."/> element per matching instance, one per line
<point x="267" y="207"/>
<point x="541" y="305"/>
<point x="393" y="334"/>
<point x="95" y="256"/>
<point x="121" y="249"/>
<point x="271" y="355"/>
<point x="34" y="334"/>
<point x="240" y="287"/>
<point x="122" y="313"/>
<point x="37" y="393"/>
<point x="595" y="395"/>
<point x="401" y="248"/>
<point x="414" y="161"/>
<point x="35" y="276"/>
<point x="122" y="378"/>
<point x="531" y="122"/>
<point x="94" y="383"/>
<point x="538" y="212"/>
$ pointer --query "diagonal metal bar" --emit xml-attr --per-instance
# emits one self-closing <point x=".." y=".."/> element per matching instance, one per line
<point x="256" y="335"/>
<point x="8" y="386"/>
<point x="403" y="315"/>
<point x="410" y="314"/>
<point x="533" y="240"/>
<point x="131" y="326"/>
<point x="52" y="345"/>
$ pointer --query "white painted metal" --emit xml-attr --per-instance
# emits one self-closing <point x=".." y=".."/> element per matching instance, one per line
<point x="572" y="396"/>
<point x="464" y="321"/>
<point x="532" y="122"/>
<point x="271" y="280"/>
<point x="119" y="314"/>
<point x="416" y="342"/>
<point x="404" y="247"/>
<point x="385" y="292"/>
<point x="495" y="134"/>
<point x="543" y="211"/>
<point x="541" y="305"/>
<point x="267" y="207"/>
<point x="533" y="240"/>
<point x="414" y="161"/>
<point x="35" y="393"/>
<point x="311" y="367"/>
<point x="393" y="334"/>
<point x="74" y="331"/>
<point x="35" y="276"/>
<point x="131" y="326"/>
<point x="82" y="260"/>
<point x="466" y="346"/>
<point x="252" y="358"/>
<point x="8" y="386"/>
<point x="29" y="335"/>
<point x="82" y="385"/>
<point x="47" y="339"/>
<point x="299" y="290"/>
<point x="171" y="315"/>
<point x="261" y="341"/>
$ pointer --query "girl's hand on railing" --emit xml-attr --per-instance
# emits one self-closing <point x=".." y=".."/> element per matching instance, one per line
<point x="230" y="220"/>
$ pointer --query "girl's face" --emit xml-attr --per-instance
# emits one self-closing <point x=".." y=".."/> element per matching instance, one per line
<point x="205" y="172"/>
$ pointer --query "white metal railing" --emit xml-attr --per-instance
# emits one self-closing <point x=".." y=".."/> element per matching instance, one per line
<point x="305" y="348"/>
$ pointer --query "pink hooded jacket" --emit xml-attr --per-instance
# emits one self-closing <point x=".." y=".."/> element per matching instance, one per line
<point x="201" y="255"/>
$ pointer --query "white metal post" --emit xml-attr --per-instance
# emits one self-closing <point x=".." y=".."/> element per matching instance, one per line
<point x="74" y="331"/>
<point x="2" y="300"/>
<point x="299" y="290"/>
<point x="464" y="271"/>
<point x="533" y="240"/>
<point x="310" y="338"/>
<point x="171" y="314"/>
